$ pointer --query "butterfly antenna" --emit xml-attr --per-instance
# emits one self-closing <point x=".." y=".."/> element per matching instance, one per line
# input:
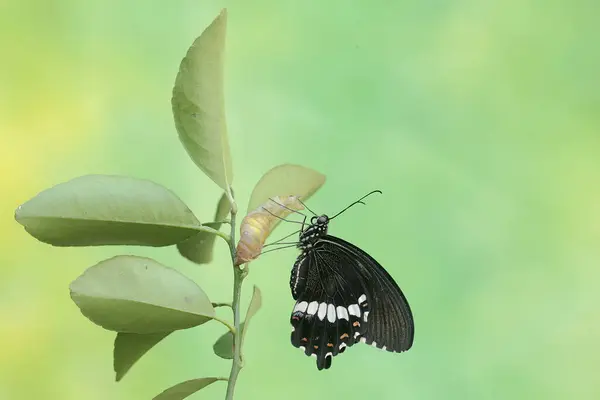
<point x="305" y="206"/>
<point x="279" y="248"/>
<point x="283" y="219"/>
<point x="359" y="201"/>
<point x="282" y="243"/>
<point x="287" y="208"/>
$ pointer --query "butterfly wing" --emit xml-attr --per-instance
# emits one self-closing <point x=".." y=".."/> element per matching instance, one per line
<point x="390" y="322"/>
<point x="343" y="296"/>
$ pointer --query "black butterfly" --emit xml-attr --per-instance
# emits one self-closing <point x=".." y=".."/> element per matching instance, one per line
<point x="344" y="296"/>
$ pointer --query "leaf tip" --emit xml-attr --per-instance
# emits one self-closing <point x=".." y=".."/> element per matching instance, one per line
<point x="21" y="214"/>
<point x="118" y="374"/>
<point x="17" y="212"/>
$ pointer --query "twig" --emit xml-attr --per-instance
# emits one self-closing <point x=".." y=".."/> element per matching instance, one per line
<point x="238" y="277"/>
<point x="215" y="305"/>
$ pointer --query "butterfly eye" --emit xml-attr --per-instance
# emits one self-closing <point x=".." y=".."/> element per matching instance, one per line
<point x="313" y="220"/>
<point x="322" y="219"/>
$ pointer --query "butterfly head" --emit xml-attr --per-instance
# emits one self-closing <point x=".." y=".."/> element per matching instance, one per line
<point x="317" y="228"/>
<point x="321" y="220"/>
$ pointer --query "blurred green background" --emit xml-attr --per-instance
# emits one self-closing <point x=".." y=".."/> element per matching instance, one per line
<point x="479" y="120"/>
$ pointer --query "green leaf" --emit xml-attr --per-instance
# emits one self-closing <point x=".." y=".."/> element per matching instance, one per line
<point x="286" y="180"/>
<point x="199" y="104"/>
<point x="96" y="210"/>
<point x="199" y="248"/>
<point x="255" y="304"/>
<point x="184" y="389"/>
<point x="138" y="295"/>
<point x="130" y="347"/>
<point x="223" y="347"/>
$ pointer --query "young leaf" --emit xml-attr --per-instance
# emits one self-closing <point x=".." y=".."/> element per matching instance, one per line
<point x="199" y="104"/>
<point x="199" y="248"/>
<point x="285" y="180"/>
<point x="255" y="304"/>
<point x="187" y="388"/>
<point x="130" y="347"/>
<point x="95" y="210"/>
<point x="138" y="295"/>
<point x="223" y="347"/>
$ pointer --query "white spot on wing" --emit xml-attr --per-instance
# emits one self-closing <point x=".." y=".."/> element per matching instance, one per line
<point x="342" y="313"/>
<point x="357" y="334"/>
<point x="354" y="310"/>
<point x="365" y="316"/>
<point x="302" y="306"/>
<point x="342" y="345"/>
<point x="302" y="348"/>
<point x="322" y="310"/>
<point x="363" y="340"/>
<point x="362" y="299"/>
<point x="331" y="313"/>
<point x="312" y="308"/>
<point x="383" y="348"/>
<point x="374" y="344"/>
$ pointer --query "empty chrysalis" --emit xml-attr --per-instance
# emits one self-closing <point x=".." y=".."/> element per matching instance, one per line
<point x="258" y="224"/>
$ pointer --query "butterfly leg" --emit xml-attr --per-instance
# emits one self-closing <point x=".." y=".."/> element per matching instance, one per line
<point x="302" y="230"/>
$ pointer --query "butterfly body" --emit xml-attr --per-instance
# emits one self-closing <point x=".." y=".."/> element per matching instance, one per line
<point x="343" y="296"/>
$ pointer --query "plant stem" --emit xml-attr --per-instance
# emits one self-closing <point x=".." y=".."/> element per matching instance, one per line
<point x="238" y="278"/>
<point x="231" y="237"/>
<point x="236" y="364"/>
